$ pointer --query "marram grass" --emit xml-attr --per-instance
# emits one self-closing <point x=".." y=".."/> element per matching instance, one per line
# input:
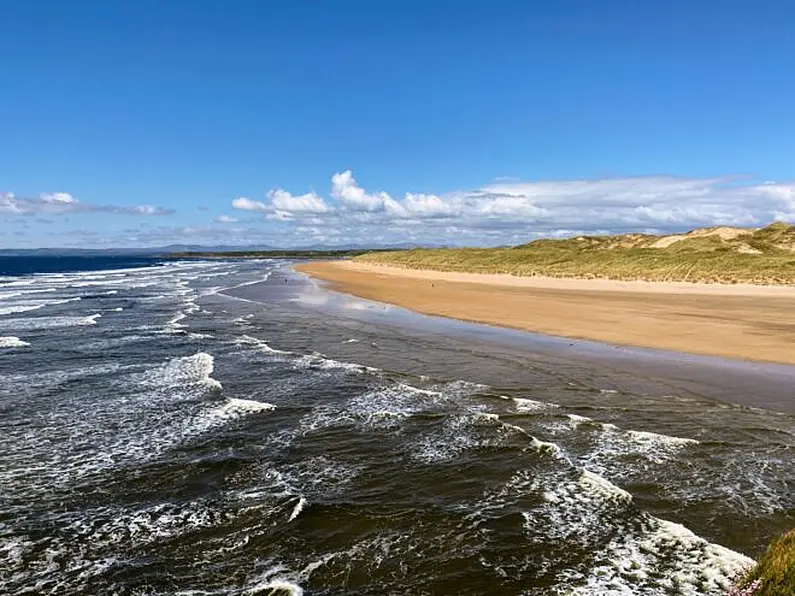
<point x="717" y="255"/>
<point x="774" y="574"/>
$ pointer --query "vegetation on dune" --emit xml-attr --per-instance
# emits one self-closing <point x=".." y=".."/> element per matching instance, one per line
<point x="774" y="574"/>
<point x="712" y="255"/>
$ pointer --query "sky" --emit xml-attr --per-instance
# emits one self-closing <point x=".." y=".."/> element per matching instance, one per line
<point x="145" y="123"/>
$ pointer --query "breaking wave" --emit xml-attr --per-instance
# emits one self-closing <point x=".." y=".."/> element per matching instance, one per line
<point x="12" y="342"/>
<point x="40" y="323"/>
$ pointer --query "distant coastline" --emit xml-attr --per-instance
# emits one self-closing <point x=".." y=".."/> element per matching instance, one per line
<point x="274" y="254"/>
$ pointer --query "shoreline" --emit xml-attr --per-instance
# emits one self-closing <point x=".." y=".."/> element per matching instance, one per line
<point x="739" y="322"/>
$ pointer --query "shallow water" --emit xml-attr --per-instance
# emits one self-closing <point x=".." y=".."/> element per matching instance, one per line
<point x="193" y="429"/>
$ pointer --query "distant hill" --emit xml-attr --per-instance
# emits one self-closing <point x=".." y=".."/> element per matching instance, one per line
<point x="711" y="255"/>
<point x="201" y="249"/>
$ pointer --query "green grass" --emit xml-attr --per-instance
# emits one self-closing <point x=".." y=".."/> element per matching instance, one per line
<point x="775" y="572"/>
<point x="763" y="256"/>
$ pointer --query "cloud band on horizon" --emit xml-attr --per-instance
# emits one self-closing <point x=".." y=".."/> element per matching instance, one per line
<point x="506" y="209"/>
<point x="57" y="203"/>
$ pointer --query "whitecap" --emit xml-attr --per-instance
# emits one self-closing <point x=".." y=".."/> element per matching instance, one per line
<point x="248" y="405"/>
<point x="209" y="419"/>
<point x="666" y="558"/>
<point x="602" y="488"/>
<point x="610" y="445"/>
<point x="185" y="371"/>
<point x="275" y="587"/>
<point x="530" y="405"/>
<point x="48" y="322"/>
<point x="18" y="283"/>
<point x="299" y="507"/>
<point x="316" y="360"/>
<point x="261" y="345"/>
<point x="12" y="342"/>
<point x="8" y="310"/>
<point x="34" y="305"/>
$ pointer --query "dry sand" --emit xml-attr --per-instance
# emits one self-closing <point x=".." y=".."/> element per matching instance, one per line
<point x="735" y="321"/>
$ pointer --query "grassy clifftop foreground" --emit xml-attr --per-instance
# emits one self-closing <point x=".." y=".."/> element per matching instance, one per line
<point x="774" y="575"/>
<point x="710" y="255"/>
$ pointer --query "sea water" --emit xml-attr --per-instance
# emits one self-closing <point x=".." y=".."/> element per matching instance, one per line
<point x="215" y="427"/>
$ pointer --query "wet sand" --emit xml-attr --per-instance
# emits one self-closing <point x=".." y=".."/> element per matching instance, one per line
<point x="741" y="322"/>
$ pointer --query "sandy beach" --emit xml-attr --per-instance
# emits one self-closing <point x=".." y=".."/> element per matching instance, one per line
<point x="734" y="321"/>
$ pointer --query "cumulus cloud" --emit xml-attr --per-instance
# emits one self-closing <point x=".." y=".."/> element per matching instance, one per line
<point x="56" y="203"/>
<point x="345" y="189"/>
<point x="282" y="200"/>
<point x="283" y="206"/>
<point x="225" y="219"/>
<point x="509" y="210"/>
<point x="246" y="204"/>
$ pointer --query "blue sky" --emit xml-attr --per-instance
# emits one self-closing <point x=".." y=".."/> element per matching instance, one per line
<point x="145" y="123"/>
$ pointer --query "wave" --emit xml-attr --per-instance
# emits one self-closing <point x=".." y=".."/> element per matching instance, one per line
<point x="629" y="551"/>
<point x="174" y="322"/>
<point x="157" y="410"/>
<point x="38" y="323"/>
<point x="18" y="283"/>
<point x="318" y="361"/>
<point x="34" y="305"/>
<point x="115" y="342"/>
<point x="274" y="587"/>
<point x="313" y="361"/>
<point x="609" y="446"/>
<point x="259" y="344"/>
<point x="633" y="552"/>
<point x="299" y="507"/>
<point x="530" y="405"/>
<point x="85" y="541"/>
<point x="386" y="407"/>
<point x="12" y="342"/>
<point x="209" y="419"/>
<point x="184" y="371"/>
<point x="266" y="277"/>
<point x="18" y="293"/>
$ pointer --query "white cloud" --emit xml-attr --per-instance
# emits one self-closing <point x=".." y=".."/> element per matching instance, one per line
<point x="247" y="204"/>
<point x="142" y="210"/>
<point x="63" y="198"/>
<point x="8" y="203"/>
<point x="511" y="211"/>
<point x="225" y="219"/>
<point x="428" y="206"/>
<point x="283" y="206"/>
<point x="345" y="189"/>
<point x="63" y="203"/>
<point x="282" y="200"/>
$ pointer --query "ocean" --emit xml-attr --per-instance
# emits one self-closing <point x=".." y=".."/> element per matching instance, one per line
<point x="232" y="428"/>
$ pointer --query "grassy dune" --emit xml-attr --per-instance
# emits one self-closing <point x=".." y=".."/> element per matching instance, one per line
<point x="712" y="255"/>
<point x="774" y="575"/>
